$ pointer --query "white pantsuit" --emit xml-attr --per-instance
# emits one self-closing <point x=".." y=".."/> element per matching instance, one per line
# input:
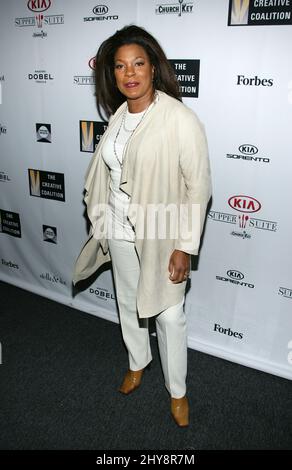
<point x="170" y="324"/>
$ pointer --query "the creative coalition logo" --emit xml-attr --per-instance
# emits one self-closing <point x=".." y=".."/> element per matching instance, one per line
<point x="3" y="129"/>
<point x="40" y="19"/>
<point x="102" y="293"/>
<point x="101" y="14"/>
<point x="90" y="134"/>
<point x="50" y="234"/>
<point x="227" y="331"/>
<point x="86" y="79"/>
<point x="9" y="264"/>
<point x="46" y="184"/>
<point x="40" y="76"/>
<point x="254" y="81"/>
<point x="235" y="277"/>
<point x="285" y="292"/>
<point x="10" y="223"/>
<point x="248" y="152"/>
<point x="187" y="73"/>
<point x="4" y="177"/>
<point x="259" y="12"/>
<point x="246" y="205"/>
<point x="43" y="133"/>
<point x="179" y="7"/>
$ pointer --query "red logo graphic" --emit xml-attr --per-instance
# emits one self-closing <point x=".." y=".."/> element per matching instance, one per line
<point x="38" y="5"/>
<point x="91" y="63"/>
<point x="244" y="203"/>
<point x="242" y="220"/>
<point x="39" y="19"/>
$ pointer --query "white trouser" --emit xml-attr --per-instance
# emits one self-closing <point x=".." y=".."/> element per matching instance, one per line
<point x="170" y="324"/>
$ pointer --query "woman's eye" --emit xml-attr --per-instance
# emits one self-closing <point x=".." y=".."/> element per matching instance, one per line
<point x="118" y="66"/>
<point x="140" y="63"/>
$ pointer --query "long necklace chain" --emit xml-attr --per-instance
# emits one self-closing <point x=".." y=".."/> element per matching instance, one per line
<point x="132" y="131"/>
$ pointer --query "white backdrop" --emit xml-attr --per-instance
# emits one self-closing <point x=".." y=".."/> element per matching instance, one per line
<point x="239" y="305"/>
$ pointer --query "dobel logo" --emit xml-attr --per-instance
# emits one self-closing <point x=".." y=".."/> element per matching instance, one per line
<point x="244" y="203"/>
<point x="235" y="274"/>
<point x="91" y="63"/>
<point x="38" y="5"/>
<point x="248" y="149"/>
<point x="100" y="10"/>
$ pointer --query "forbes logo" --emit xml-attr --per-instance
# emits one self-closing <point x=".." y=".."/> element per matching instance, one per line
<point x="235" y="274"/>
<point x="248" y="149"/>
<point x="255" y="81"/>
<point x="38" y="5"/>
<point x="100" y="10"/>
<point x="244" y="203"/>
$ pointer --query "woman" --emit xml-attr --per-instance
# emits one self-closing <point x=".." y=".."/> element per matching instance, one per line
<point x="147" y="188"/>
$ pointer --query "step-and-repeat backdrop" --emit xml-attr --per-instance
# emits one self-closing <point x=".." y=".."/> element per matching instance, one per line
<point x="234" y="64"/>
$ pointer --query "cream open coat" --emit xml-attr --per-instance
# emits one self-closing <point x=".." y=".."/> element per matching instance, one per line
<point x="165" y="162"/>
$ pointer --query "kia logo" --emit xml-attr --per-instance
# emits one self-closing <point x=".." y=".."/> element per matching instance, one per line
<point x="91" y="63"/>
<point x="100" y="10"/>
<point x="244" y="203"/>
<point x="248" y="149"/>
<point x="235" y="274"/>
<point x="38" y="5"/>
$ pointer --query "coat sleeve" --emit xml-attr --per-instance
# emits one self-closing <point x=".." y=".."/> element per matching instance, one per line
<point x="195" y="170"/>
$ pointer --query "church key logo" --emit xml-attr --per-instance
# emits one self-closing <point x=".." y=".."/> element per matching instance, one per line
<point x="46" y="184"/>
<point x="247" y="207"/>
<point x="43" y="133"/>
<point x="187" y="73"/>
<point x="90" y="134"/>
<point x="40" y="18"/>
<point x="259" y="12"/>
<point x="101" y="14"/>
<point x="179" y="8"/>
<point x="50" y="234"/>
<point x="248" y="152"/>
<point x="10" y="223"/>
<point x="86" y="79"/>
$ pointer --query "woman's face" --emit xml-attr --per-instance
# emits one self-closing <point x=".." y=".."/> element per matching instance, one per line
<point x="134" y="72"/>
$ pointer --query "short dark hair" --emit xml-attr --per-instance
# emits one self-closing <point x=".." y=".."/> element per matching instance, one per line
<point x="108" y="96"/>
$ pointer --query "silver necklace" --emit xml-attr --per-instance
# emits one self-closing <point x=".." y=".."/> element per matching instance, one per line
<point x="132" y="131"/>
<point x="125" y="125"/>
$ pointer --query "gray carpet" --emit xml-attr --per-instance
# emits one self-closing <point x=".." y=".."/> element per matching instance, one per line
<point x="59" y="378"/>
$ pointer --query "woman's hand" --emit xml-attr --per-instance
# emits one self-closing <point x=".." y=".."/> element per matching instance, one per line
<point x="179" y="266"/>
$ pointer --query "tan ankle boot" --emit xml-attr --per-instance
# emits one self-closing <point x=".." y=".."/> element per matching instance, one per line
<point x="180" y="411"/>
<point x="131" y="381"/>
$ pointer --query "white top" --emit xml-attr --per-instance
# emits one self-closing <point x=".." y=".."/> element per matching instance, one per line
<point x="118" y="223"/>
